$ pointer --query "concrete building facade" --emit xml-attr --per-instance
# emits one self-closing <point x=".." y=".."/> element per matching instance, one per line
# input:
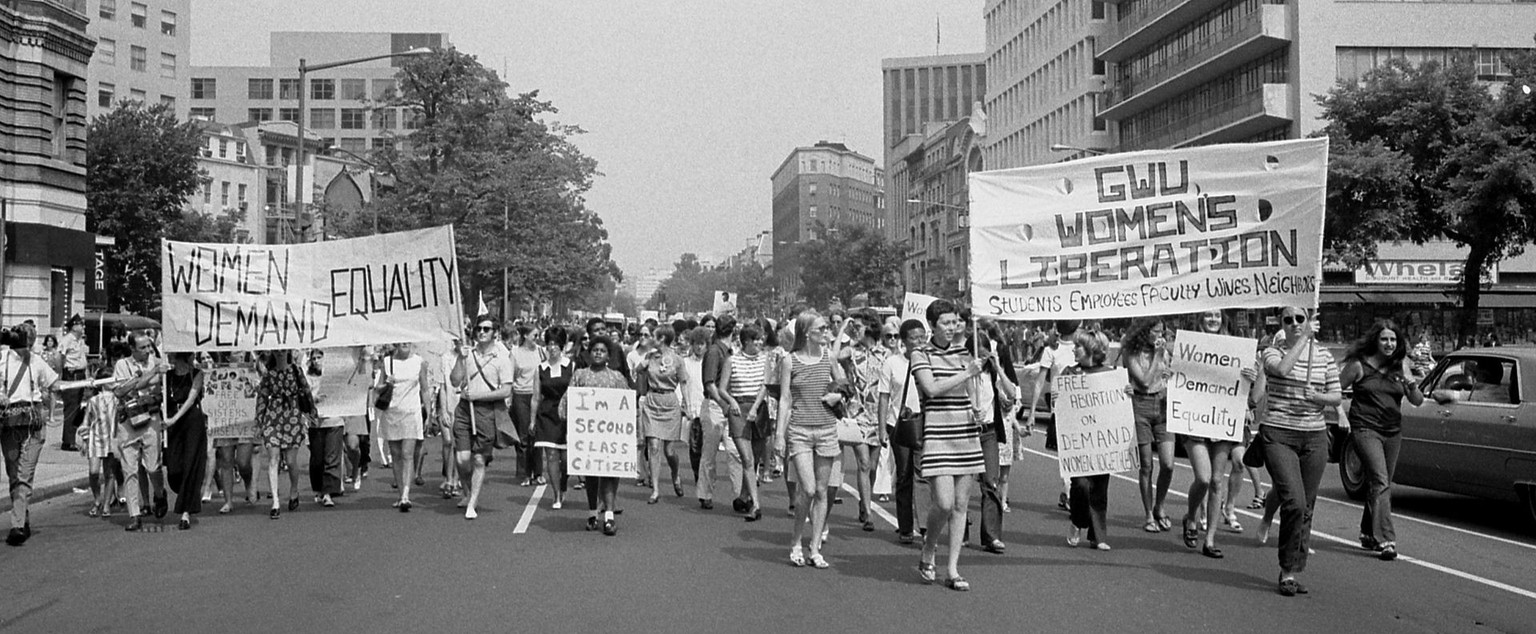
<point x="823" y="185"/>
<point x="234" y="180"/>
<point x="347" y="105"/>
<point x="143" y="53"/>
<point x="937" y="231"/>
<point x="48" y="264"/>
<point x="919" y="91"/>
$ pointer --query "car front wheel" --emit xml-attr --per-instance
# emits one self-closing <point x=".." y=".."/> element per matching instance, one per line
<point x="1351" y="470"/>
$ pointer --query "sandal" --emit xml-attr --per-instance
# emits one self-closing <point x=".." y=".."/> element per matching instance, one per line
<point x="1212" y="552"/>
<point x="224" y="510"/>
<point x="1257" y="503"/>
<point x="1231" y="523"/>
<point x="94" y="512"/>
<point x="925" y="571"/>
<point x="1191" y="534"/>
<point x="1152" y="527"/>
<point x="797" y="556"/>
<point x="819" y="562"/>
<point x="1075" y="537"/>
<point x="1164" y="523"/>
<point x="958" y="583"/>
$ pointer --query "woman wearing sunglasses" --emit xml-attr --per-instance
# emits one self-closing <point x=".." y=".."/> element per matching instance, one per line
<point x="1302" y="380"/>
<point x="483" y="376"/>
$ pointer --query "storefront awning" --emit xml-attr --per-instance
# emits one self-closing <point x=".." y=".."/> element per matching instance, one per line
<point x="1406" y="297"/>
<point x="1338" y="298"/>
<point x="1515" y="300"/>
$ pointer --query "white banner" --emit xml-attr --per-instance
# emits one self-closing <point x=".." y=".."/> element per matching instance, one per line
<point x="342" y="387"/>
<point x="1207" y="395"/>
<point x="1095" y="427"/>
<point x="229" y="401"/>
<point x="1151" y="233"/>
<point x="373" y="290"/>
<point x="602" y="429"/>
<point x="915" y="306"/>
<point x="725" y="303"/>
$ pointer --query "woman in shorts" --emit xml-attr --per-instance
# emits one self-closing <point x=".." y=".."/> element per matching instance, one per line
<point x="1144" y="353"/>
<point x="807" y="430"/>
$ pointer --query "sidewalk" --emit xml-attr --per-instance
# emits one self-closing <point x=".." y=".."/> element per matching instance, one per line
<point x="58" y="473"/>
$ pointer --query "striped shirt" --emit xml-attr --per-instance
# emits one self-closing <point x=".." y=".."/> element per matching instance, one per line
<point x="951" y="437"/>
<point x="807" y="384"/>
<point x="1287" y="406"/>
<point x="747" y="376"/>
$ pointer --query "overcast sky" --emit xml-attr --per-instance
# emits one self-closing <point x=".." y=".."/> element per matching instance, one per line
<point x="689" y="105"/>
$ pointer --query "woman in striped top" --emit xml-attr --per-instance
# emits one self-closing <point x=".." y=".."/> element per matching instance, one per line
<point x="807" y="430"/>
<point x="942" y="372"/>
<point x="747" y="370"/>
<point x="1301" y="381"/>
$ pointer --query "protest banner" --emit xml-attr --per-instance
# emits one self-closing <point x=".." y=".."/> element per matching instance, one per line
<point x="229" y="400"/>
<point x="725" y="303"/>
<point x="1207" y="395"/>
<point x="372" y="290"/>
<point x="1095" y="427"/>
<point x="601" y="436"/>
<point x="915" y="306"/>
<point x="1150" y="233"/>
<point x="341" y="388"/>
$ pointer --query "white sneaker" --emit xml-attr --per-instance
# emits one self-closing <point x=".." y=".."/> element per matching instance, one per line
<point x="470" y="514"/>
<point x="558" y="504"/>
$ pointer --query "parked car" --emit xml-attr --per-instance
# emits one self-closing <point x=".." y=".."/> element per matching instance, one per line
<point x="1474" y="435"/>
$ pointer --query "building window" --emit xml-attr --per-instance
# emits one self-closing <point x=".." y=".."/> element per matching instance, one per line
<point x="61" y="85"/>
<point x="813" y="211"/>
<point x="108" y="10"/>
<point x="207" y="192"/>
<point x="138" y="58"/>
<point x="412" y="119"/>
<point x="223" y="148"/>
<point x="380" y="143"/>
<point x="106" y="51"/>
<point x="353" y="89"/>
<point x="105" y="93"/>
<point x="224" y="193"/>
<point x="259" y="115"/>
<point x="205" y="88"/>
<point x="258" y="89"/>
<point x="168" y="65"/>
<point x="354" y="145"/>
<point x="287" y="89"/>
<point x="322" y="89"/>
<point x="240" y="196"/>
<point x="354" y="119"/>
<point x="384" y="118"/>
<point x="168" y="23"/>
<point x="138" y="95"/>
<point x="383" y="89"/>
<point x="287" y="114"/>
<point x="169" y="101"/>
<point x="140" y="13"/>
<point x="201" y="113"/>
<point x="322" y="118"/>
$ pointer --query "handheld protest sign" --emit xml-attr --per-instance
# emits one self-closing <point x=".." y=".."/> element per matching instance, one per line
<point x="1095" y="427"/>
<point x="602" y="425"/>
<point x="1207" y="394"/>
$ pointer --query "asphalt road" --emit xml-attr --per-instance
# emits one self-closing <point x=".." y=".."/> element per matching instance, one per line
<point x="364" y="567"/>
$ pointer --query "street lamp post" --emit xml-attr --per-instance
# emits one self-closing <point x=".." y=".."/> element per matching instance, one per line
<point x="304" y="70"/>
<point x="1058" y="147"/>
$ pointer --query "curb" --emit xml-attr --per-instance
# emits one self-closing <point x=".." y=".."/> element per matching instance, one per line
<point x="49" y="491"/>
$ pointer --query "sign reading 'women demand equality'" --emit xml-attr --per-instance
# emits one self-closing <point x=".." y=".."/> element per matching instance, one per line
<point x="1151" y="233"/>
<point x="373" y="290"/>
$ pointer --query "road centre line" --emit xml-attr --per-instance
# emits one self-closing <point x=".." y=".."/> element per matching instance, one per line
<point x="528" y="511"/>
<point x="873" y="506"/>
<point x="1413" y="560"/>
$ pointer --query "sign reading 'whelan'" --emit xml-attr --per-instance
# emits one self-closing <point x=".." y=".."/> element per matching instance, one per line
<point x="1151" y="233"/>
<point x="373" y="290"/>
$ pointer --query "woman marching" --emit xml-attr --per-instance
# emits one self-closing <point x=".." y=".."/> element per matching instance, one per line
<point x="1089" y="498"/>
<point x="549" y="422"/>
<point x="186" y="452"/>
<point x="483" y="376"/>
<point x="807" y="431"/>
<point x="1301" y="381"/>
<point x="746" y="395"/>
<point x="1378" y="371"/>
<point x="1210" y="460"/>
<point x="952" y="454"/>
<point x="400" y="423"/>
<point x="283" y="408"/>
<point x="663" y="371"/>
<point x="1144" y="354"/>
<point x="602" y="492"/>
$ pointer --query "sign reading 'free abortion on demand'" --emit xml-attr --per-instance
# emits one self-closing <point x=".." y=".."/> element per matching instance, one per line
<point x="1207" y="394"/>
<point x="1095" y="427"/>
<point x="601" y="438"/>
<point x="373" y="290"/>
<point x="1151" y="233"/>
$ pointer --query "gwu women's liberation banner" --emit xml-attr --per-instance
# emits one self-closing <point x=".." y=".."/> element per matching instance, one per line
<point x="373" y="290"/>
<point x="1151" y="233"/>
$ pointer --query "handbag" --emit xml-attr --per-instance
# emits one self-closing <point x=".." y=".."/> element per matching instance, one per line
<point x="387" y="391"/>
<point x="909" y="424"/>
<point x="1253" y="457"/>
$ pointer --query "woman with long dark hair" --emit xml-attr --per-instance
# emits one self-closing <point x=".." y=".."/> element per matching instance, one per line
<point x="186" y="437"/>
<point x="1144" y="353"/>
<point x="283" y="410"/>
<point x="1302" y="380"/>
<point x="1377" y="369"/>
<point x="549" y="422"/>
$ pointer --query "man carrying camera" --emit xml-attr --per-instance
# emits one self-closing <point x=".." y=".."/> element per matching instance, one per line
<point x="26" y="383"/>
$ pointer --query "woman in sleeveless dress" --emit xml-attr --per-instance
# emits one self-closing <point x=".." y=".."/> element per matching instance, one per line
<point x="550" y="426"/>
<point x="401" y="423"/>
<point x="186" y="437"/>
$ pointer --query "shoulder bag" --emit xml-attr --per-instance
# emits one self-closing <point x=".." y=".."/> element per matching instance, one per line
<point x="386" y="391"/>
<point x="909" y="424"/>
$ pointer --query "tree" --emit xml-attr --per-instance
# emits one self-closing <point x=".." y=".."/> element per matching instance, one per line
<point x="1421" y="152"/>
<point x="687" y="290"/>
<point x="511" y="184"/>
<point x="141" y="165"/>
<point x="847" y="259"/>
<point x="756" y="295"/>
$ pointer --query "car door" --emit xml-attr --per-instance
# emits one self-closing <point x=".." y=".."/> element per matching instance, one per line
<point x="1476" y="424"/>
<point x="1420" y="461"/>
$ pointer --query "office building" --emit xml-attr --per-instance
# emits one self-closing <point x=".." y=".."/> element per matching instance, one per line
<point x="920" y="91"/>
<point x="143" y="53"/>
<point x="818" y="187"/>
<point x="48" y="268"/>
<point x="934" y="167"/>
<point x="1197" y="72"/>
<point x="234" y="181"/>
<point x="1043" y="79"/>
<point x="347" y="105"/>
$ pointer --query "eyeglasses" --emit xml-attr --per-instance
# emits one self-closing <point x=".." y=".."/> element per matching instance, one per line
<point x="485" y="329"/>
<point x="890" y="336"/>
<point x="1299" y="319"/>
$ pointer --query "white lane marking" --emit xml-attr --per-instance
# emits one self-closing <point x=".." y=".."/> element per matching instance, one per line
<point x="528" y="511"/>
<point x="1413" y="560"/>
<point x="873" y="506"/>
<point x="1397" y="515"/>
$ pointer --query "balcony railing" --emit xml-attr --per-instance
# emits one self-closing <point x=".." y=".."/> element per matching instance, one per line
<point x="1219" y="115"/>
<point x="1129" y="20"/>
<point x="1204" y="50"/>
